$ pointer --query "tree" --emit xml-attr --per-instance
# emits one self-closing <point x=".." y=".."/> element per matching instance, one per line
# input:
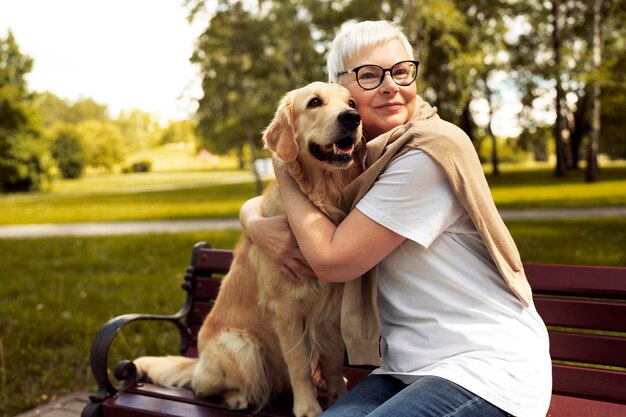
<point x="140" y="130"/>
<point x="22" y="150"/>
<point x="68" y="150"/>
<point x="538" y="74"/>
<point x="612" y="79"/>
<point x="179" y="131"/>
<point x="52" y="109"/>
<point x="103" y="144"/>
<point x="249" y="56"/>
<point x="87" y="108"/>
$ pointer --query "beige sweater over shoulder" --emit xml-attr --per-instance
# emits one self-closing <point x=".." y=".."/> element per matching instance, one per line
<point x="450" y="147"/>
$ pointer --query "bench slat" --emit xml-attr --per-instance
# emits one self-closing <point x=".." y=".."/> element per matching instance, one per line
<point x="603" y="385"/>
<point x="200" y="311"/>
<point x="207" y="288"/>
<point x="214" y="260"/>
<point x="588" y="348"/>
<point x="281" y="407"/>
<point x="127" y="404"/>
<point x="577" y="280"/>
<point x="584" y="314"/>
<point x="580" y="407"/>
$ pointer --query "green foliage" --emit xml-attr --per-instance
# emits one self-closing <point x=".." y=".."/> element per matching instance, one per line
<point x="507" y="151"/>
<point x="466" y="48"/>
<point x="68" y="151"/>
<point x="179" y="131"/>
<point x="54" y="109"/>
<point x="103" y="143"/>
<point x="23" y="155"/>
<point x="248" y="59"/>
<point x="140" y="130"/>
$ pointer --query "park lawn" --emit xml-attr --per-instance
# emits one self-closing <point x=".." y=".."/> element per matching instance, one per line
<point x="538" y="188"/>
<point x="57" y="292"/>
<point x="179" y="202"/>
<point x="216" y="194"/>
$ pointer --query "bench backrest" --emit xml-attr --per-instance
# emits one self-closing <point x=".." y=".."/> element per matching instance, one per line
<point x="202" y="283"/>
<point x="583" y="307"/>
<point x="585" y="310"/>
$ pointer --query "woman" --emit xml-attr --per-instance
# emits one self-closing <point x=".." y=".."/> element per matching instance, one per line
<point x="459" y="334"/>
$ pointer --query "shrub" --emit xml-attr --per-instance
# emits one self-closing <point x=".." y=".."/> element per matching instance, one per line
<point x="139" y="166"/>
<point x="68" y="151"/>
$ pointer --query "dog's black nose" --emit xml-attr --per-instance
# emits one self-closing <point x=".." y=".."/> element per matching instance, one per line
<point x="349" y="118"/>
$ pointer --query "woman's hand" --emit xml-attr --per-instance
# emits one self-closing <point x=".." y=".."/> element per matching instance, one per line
<point x="274" y="236"/>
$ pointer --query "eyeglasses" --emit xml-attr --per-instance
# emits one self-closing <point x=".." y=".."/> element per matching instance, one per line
<point x="371" y="76"/>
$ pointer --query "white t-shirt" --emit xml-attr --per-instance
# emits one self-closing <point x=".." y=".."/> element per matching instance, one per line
<point x="444" y="308"/>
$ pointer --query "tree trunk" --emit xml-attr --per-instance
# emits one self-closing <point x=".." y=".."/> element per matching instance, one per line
<point x="559" y="124"/>
<point x="251" y="143"/>
<point x="591" y="174"/>
<point x="580" y="127"/>
<point x="467" y="124"/>
<point x="495" y="162"/>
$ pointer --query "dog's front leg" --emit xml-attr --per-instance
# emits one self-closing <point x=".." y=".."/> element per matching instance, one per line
<point x="332" y="360"/>
<point x="290" y="330"/>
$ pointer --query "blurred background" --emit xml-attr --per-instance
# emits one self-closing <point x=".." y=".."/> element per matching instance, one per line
<point x="140" y="111"/>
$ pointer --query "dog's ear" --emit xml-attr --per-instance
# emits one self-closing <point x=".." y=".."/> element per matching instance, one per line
<point x="280" y="134"/>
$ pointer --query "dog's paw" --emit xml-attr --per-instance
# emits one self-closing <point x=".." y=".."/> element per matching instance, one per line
<point x="307" y="410"/>
<point x="235" y="400"/>
<point x="142" y="364"/>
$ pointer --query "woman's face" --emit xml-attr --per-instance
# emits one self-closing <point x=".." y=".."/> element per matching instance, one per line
<point x="388" y="105"/>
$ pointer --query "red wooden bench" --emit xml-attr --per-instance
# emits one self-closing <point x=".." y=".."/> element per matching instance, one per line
<point x="583" y="306"/>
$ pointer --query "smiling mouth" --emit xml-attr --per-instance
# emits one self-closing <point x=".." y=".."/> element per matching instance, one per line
<point x="390" y="105"/>
<point x="338" y="153"/>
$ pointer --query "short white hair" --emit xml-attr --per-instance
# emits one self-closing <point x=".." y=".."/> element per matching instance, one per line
<point x="352" y="38"/>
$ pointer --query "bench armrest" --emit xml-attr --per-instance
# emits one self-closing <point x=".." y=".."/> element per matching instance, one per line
<point x="125" y="370"/>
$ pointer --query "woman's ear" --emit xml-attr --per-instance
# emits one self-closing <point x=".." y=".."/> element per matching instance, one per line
<point x="280" y="135"/>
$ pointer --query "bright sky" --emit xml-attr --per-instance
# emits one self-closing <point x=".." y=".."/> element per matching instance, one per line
<point x="122" y="53"/>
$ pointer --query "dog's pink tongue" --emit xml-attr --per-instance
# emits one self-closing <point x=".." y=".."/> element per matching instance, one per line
<point x="345" y="150"/>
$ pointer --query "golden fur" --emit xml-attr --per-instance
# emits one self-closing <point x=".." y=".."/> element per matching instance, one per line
<point x="265" y="331"/>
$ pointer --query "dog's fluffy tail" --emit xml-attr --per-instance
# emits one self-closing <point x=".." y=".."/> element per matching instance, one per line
<point x="168" y="371"/>
<point x="235" y="367"/>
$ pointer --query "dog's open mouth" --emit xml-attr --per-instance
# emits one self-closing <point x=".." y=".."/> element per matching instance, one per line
<point x="338" y="153"/>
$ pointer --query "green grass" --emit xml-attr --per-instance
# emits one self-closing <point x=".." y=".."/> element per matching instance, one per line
<point x="212" y="194"/>
<point x="538" y="188"/>
<point x="576" y="241"/>
<point x="57" y="292"/>
<point x="127" y="198"/>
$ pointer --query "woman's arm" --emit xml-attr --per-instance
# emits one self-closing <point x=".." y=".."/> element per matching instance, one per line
<point x="336" y="253"/>
<point x="275" y="238"/>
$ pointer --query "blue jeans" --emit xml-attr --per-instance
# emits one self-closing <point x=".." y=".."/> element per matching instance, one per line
<point x="429" y="396"/>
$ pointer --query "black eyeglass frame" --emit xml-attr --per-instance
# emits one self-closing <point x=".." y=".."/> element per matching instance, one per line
<point x="355" y="70"/>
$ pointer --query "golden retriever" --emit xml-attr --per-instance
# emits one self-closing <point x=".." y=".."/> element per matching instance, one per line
<point x="264" y="331"/>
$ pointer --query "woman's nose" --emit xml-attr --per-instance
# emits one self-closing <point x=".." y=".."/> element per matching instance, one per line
<point x="388" y="84"/>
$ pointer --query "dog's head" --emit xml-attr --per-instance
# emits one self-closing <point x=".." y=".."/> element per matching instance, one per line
<point x="318" y="124"/>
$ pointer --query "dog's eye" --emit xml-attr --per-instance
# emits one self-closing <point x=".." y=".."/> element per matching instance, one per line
<point x="352" y="103"/>
<point x="315" y="102"/>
